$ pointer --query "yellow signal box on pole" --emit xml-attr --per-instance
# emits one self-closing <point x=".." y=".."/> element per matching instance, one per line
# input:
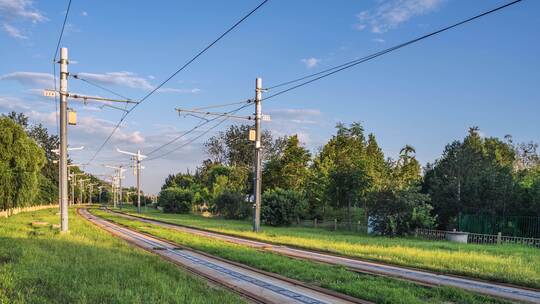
<point x="252" y="135"/>
<point x="72" y="117"/>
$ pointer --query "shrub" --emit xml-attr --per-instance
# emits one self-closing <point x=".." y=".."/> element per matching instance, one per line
<point x="232" y="205"/>
<point x="399" y="212"/>
<point x="282" y="207"/>
<point x="175" y="200"/>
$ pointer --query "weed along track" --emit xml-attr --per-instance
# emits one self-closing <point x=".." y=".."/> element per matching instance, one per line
<point x="255" y="285"/>
<point x="510" y="292"/>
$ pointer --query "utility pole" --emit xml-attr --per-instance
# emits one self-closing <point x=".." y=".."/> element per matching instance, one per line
<point x="71" y="176"/>
<point x="258" y="157"/>
<point x="119" y="170"/>
<point x="100" y="188"/>
<point x="91" y="192"/>
<point x="81" y="188"/>
<point x="254" y="135"/>
<point x="138" y="157"/>
<point x="63" y="140"/>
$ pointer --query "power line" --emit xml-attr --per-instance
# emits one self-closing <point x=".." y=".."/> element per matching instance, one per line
<point x="355" y="62"/>
<point x="62" y="30"/>
<point x="225" y="118"/>
<point x="223" y="105"/>
<point x="54" y="67"/>
<point x="196" y="128"/>
<point x="174" y="74"/>
<point x="76" y="76"/>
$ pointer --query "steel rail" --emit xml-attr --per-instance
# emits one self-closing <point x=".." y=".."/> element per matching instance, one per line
<point x="420" y="276"/>
<point x="157" y="246"/>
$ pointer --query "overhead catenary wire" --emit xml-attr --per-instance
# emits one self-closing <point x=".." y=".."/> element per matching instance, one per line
<point x="54" y="67"/>
<point x="352" y="63"/>
<point x="174" y="74"/>
<point x="224" y="118"/>
<point x="76" y="76"/>
<point x="336" y="69"/>
<point x="198" y="126"/>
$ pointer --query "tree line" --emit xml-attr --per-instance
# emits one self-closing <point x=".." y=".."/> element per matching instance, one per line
<point x="350" y="178"/>
<point x="29" y="168"/>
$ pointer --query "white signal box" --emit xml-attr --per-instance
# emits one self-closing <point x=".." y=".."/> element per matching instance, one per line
<point x="49" y="93"/>
<point x="266" y="118"/>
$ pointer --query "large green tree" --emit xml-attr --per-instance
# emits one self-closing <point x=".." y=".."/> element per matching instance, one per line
<point x="288" y="169"/>
<point x="473" y="176"/>
<point x="233" y="147"/>
<point x="21" y="160"/>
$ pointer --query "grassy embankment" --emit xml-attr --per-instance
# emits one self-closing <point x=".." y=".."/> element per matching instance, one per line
<point x="374" y="288"/>
<point x="88" y="265"/>
<point x="513" y="264"/>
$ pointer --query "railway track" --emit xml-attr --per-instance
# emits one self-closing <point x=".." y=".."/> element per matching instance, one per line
<point x="255" y="285"/>
<point x="506" y="291"/>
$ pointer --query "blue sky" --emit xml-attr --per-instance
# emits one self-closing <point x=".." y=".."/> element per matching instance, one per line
<point x="484" y="74"/>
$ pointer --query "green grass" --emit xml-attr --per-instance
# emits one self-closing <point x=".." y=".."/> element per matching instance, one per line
<point x="374" y="288"/>
<point x="88" y="265"/>
<point x="513" y="264"/>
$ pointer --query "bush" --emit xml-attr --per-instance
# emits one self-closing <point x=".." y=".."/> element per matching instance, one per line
<point x="282" y="207"/>
<point x="175" y="200"/>
<point x="232" y="205"/>
<point x="399" y="212"/>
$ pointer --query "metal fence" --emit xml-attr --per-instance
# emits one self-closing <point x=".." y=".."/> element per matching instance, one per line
<point x="478" y="238"/>
<point x="517" y="226"/>
<point x="333" y="224"/>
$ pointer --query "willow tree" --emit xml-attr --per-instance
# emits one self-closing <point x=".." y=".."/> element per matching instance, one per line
<point x="21" y="160"/>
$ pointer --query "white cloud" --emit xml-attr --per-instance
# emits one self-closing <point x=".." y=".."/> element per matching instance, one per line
<point x="13" y="31"/>
<point x="294" y="121"/>
<point x="311" y="62"/>
<point x="391" y="13"/>
<point x="31" y="79"/>
<point x="12" y="104"/>
<point x="132" y="80"/>
<point x="127" y="79"/>
<point x="379" y="40"/>
<point x="16" y="9"/>
<point x="84" y="13"/>
<point x="290" y="113"/>
<point x="174" y="90"/>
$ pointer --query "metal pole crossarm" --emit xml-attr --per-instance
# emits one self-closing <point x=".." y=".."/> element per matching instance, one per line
<point x="223" y="114"/>
<point x="138" y="154"/>
<point x="113" y="107"/>
<point x="57" y="151"/>
<point x="96" y="98"/>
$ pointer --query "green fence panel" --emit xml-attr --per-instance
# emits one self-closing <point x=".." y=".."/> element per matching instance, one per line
<point x="520" y="226"/>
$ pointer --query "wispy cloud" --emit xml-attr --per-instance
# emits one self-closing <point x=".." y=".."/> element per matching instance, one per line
<point x="311" y="62"/>
<point x="391" y="13"/>
<point x="175" y="90"/>
<point x="30" y="79"/>
<point x="132" y="80"/>
<point x="127" y="79"/>
<point x="294" y="121"/>
<point x="8" y="103"/>
<point x="379" y="40"/>
<point x="17" y="11"/>
<point x="13" y="31"/>
<point x="84" y="13"/>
